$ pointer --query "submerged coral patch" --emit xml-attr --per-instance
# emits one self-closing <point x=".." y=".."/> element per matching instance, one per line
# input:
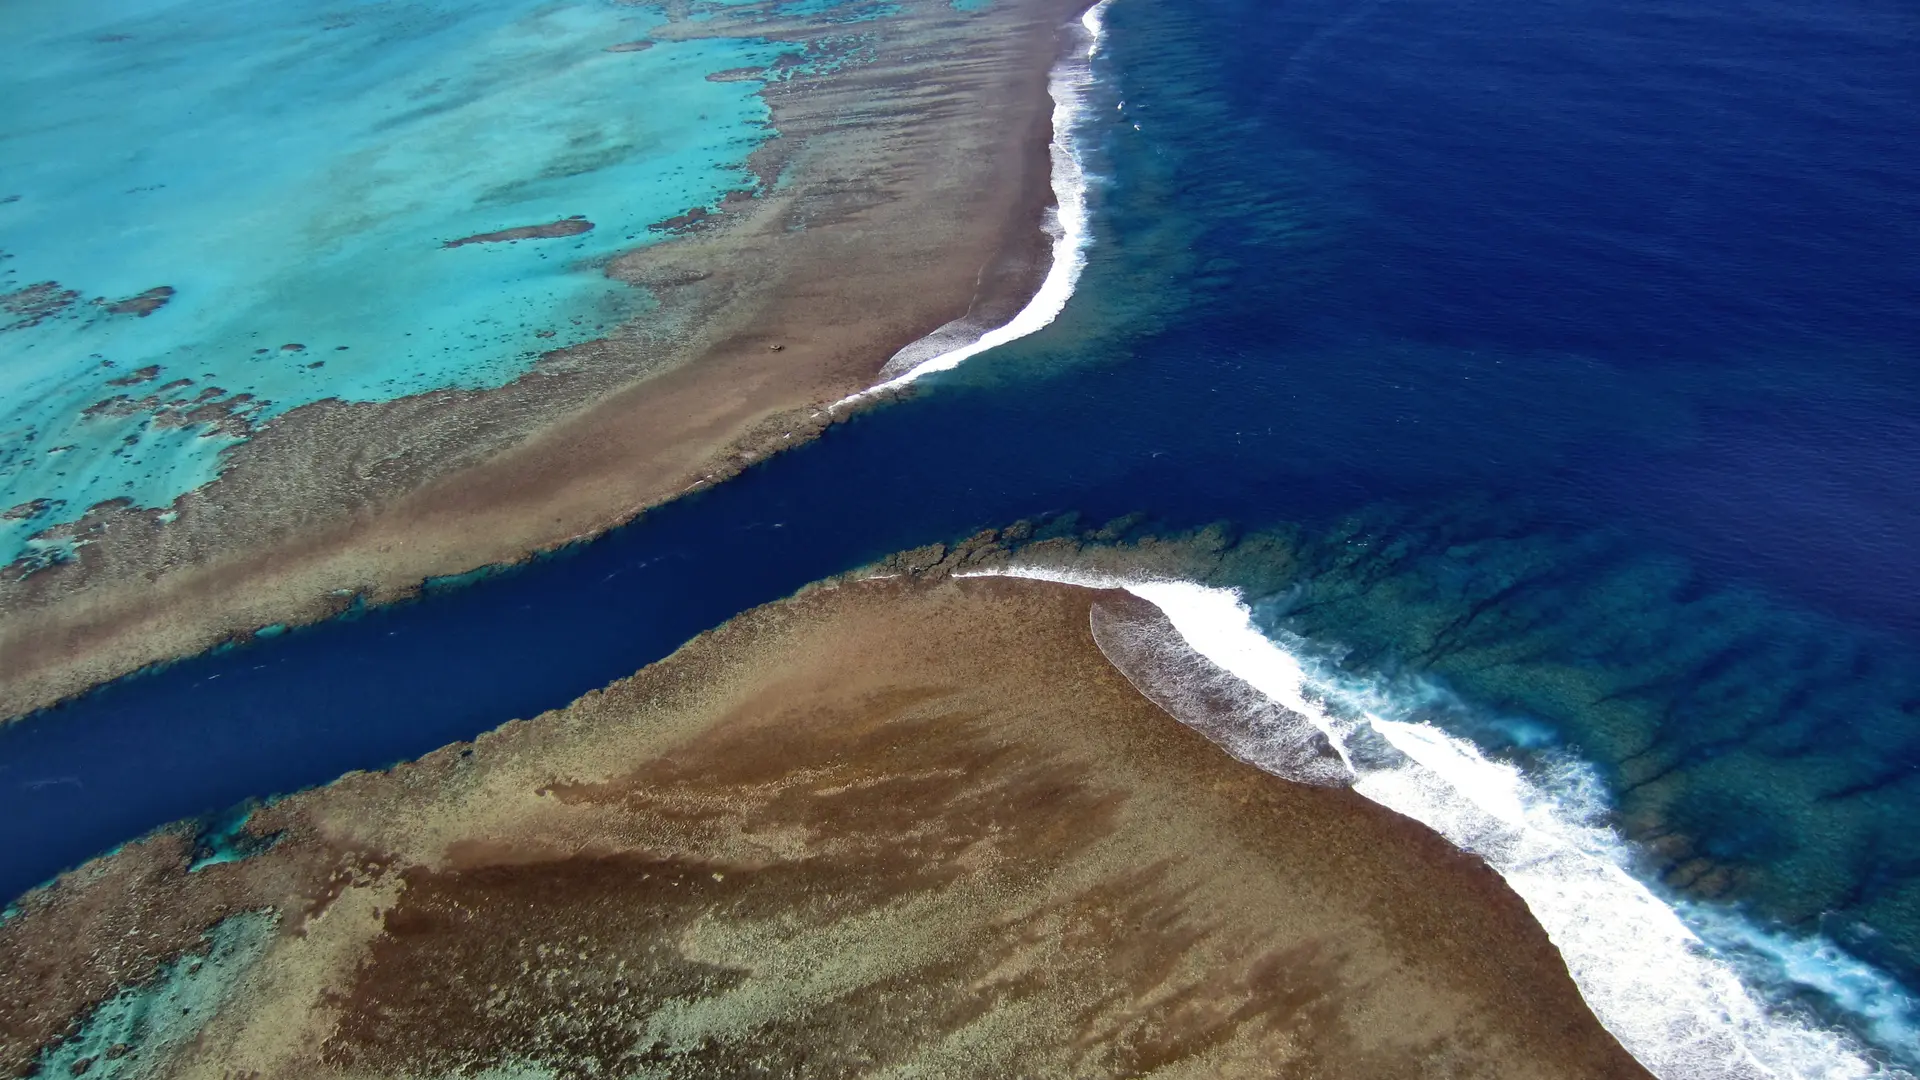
<point x="134" y="1033"/>
<point x="572" y="226"/>
<point x="143" y="304"/>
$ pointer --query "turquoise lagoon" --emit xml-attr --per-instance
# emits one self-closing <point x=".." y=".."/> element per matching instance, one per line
<point x="292" y="171"/>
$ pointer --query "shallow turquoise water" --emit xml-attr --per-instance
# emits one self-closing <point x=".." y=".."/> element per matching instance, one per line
<point x="292" y="171"/>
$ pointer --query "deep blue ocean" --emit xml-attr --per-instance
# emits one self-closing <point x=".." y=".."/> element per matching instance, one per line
<point x="1572" y="350"/>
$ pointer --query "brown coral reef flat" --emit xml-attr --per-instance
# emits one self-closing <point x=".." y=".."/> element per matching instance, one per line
<point x="905" y="189"/>
<point x="891" y="827"/>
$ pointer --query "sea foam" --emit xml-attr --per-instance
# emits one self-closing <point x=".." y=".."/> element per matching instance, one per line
<point x="1666" y="986"/>
<point x="1066" y="222"/>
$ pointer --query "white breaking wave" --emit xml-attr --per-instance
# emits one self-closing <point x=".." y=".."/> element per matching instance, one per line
<point x="1884" y="1007"/>
<point x="1675" y="1004"/>
<point x="1066" y="222"/>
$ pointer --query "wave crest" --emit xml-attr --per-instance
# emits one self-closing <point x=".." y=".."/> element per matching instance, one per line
<point x="1680" y="1007"/>
<point x="1139" y="641"/>
<point x="1066" y="222"/>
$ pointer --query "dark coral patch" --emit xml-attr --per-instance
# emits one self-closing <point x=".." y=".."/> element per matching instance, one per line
<point x="37" y="303"/>
<point x="145" y="374"/>
<point x="32" y="509"/>
<point x="683" y="222"/>
<point x="572" y="226"/>
<point x="144" y="304"/>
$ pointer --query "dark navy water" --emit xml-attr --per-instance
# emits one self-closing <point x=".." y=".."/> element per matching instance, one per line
<point x="1569" y="351"/>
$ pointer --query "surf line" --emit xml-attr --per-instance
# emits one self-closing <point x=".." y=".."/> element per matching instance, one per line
<point x="1066" y="221"/>
<point x="1656" y="985"/>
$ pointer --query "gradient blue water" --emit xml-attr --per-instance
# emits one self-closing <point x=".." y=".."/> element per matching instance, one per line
<point x="1571" y="348"/>
<point x="1718" y="201"/>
